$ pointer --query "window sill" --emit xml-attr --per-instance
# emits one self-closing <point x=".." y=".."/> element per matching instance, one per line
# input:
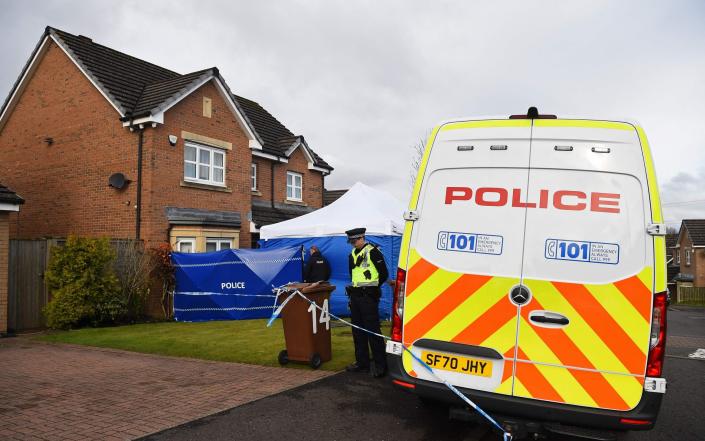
<point x="205" y="186"/>
<point x="291" y="202"/>
<point x="256" y="193"/>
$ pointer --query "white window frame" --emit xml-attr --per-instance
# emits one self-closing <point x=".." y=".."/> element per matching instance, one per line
<point x="211" y="166"/>
<point x="184" y="240"/>
<point x="253" y="177"/>
<point x="219" y="241"/>
<point x="292" y="187"/>
<point x="678" y="256"/>
<point x="687" y="257"/>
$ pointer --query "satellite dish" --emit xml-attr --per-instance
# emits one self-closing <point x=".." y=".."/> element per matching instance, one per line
<point x="118" y="180"/>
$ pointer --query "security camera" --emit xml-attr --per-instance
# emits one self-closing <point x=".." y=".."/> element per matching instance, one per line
<point x="172" y="140"/>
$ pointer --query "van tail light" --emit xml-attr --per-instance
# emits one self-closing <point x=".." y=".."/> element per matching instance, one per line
<point x="632" y="422"/>
<point x="657" y="346"/>
<point x="398" y="304"/>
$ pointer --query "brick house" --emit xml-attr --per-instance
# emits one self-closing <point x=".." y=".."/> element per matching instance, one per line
<point x="689" y="252"/>
<point x="100" y="143"/>
<point x="9" y="203"/>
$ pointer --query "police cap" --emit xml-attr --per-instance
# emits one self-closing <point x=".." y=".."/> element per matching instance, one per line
<point x="355" y="233"/>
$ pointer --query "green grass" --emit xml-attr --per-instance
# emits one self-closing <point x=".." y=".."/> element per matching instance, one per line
<point x="244" y="341"/>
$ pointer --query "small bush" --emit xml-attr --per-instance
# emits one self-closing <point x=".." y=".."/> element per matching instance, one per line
<point x="84" y="287"/>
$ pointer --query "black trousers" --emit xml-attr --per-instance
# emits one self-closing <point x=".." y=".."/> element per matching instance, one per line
<point x="364" y="312"/>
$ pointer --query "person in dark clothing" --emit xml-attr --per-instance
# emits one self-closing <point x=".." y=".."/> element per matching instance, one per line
<point x="368" y="272"/>
<point x="317" y="268"/>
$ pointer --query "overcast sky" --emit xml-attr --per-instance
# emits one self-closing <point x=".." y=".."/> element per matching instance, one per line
<point x="364" y="81"/>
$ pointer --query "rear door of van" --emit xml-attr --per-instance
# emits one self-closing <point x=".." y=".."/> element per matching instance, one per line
<point x="465" y="255"/>
<point x="583" y="336"/>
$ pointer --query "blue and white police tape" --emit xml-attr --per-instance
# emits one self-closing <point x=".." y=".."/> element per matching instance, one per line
<point x="505" y="435"/>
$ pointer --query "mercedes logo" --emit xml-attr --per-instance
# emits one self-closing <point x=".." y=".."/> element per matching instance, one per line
<point x="519" y="295"/>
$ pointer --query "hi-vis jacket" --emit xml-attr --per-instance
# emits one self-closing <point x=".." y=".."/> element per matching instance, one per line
<point x="367" y="266"/>
<point x="535" y="247"/>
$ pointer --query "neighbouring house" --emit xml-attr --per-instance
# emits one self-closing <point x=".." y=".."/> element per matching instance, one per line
<point x="100" y="143"/>
<point x="9" y="203"/>
<point x="689" y="252"/>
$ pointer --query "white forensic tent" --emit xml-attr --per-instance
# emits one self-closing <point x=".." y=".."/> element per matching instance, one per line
<point x="361" y="206"/>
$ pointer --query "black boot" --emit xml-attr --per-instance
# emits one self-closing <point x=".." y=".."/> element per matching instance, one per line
<point x="354" y="367"/>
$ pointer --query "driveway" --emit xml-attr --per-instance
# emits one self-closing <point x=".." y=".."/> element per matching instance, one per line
<point x="66" y="392"/>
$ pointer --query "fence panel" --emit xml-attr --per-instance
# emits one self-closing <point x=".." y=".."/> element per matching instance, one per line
<point x="27" y="293"/>
<point x="691" y="295"/>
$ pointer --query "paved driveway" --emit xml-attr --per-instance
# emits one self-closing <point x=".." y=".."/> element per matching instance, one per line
<point x="66" y="392"/>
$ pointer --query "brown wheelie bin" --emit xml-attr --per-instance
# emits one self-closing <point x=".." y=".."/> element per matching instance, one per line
<point x="302" y="343"/>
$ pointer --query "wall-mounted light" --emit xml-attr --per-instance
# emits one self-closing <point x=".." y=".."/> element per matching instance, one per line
<point x="49" y="140"/>
<point x="172" y="140"/>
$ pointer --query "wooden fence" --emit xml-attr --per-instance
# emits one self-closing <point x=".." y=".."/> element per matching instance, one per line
<point x="690" y="295"/>
<point x="27" y="293"/>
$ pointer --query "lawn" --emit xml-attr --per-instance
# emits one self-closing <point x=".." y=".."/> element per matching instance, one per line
<point x="245" y="341"/>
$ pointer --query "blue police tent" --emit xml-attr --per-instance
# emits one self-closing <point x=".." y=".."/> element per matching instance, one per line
<point x="361" y="206"/>
<point x="232" y="284"/>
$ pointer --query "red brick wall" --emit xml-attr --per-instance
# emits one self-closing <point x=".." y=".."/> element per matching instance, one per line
<point x="264" y="179"/>
<point x="165" y="167"/>
<point x="4" y="262"/>
<point x="312" y="180"/>
<point x="65" y="184"/>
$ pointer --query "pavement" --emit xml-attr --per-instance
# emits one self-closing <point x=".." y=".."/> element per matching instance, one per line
<point x="357" y="407"/>
<point x="67" y="392"/>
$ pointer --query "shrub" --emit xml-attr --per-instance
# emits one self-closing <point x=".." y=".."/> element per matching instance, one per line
<point x="84" y="287"/>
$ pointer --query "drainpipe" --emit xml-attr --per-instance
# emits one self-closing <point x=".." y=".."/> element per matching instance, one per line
<point x="138" y="216"/>
<point x="272" y="186"/>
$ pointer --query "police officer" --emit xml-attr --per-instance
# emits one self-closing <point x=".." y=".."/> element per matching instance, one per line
<point x="317" y="268"/>
<point x="368" y="272"/>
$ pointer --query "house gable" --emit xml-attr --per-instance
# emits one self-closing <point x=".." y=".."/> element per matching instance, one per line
<point x="58" y="148"/>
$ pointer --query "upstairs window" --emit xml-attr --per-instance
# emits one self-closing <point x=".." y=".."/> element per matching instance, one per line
<point x="687" y="257"/>
<point x="293" y="186"/>
<point x="204" y="165"/>
<point x="678" y="256"/>
<point x="253" y="177"/>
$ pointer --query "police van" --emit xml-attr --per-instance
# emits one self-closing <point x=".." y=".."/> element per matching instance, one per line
<point x="532" y="274"/>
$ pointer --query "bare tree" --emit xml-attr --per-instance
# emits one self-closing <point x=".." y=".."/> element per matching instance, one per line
<point x="133" y="266"/>
<point x="418" y="149"/>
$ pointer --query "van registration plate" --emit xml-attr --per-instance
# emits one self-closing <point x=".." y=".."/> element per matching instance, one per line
<point x="456" y="363"/>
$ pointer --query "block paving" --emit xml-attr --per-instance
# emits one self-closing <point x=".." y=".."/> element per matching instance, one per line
<point x="69" y="392"/>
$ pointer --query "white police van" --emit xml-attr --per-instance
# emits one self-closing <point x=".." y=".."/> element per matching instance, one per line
<point x="532" y="274"/>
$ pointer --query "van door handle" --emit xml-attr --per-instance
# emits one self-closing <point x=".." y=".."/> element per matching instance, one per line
<point x="548" y="319"/>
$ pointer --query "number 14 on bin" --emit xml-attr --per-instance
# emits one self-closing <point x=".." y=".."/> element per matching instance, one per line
<point x="325" y="316"/>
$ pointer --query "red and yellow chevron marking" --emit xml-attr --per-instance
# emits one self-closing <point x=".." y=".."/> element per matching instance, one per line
<point x="596" y="361"/>
<point x="462" y="308"/>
